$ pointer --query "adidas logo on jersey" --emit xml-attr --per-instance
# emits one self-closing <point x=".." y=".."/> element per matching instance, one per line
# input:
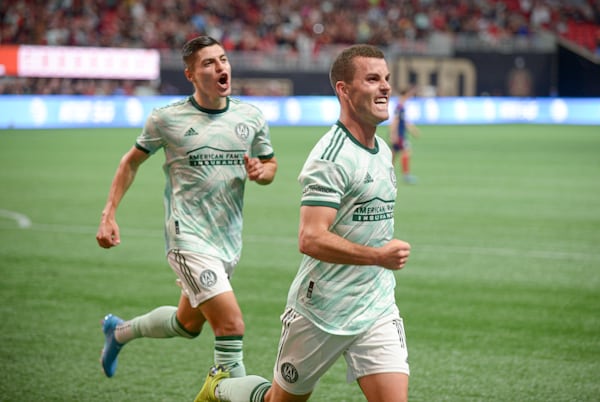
<point x="368" y="178"/>
<point x="191" y="131"/>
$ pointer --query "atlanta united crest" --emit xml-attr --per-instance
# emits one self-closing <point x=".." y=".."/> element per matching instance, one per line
<point x="208" y="278"/>
<point x="242" y="131"/>
<point x="289" y="373"/>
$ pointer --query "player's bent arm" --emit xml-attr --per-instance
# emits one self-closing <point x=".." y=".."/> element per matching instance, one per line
<point x="108" y="231"/>
<point x="261" y="171"/>
<point x="315" y="240"/>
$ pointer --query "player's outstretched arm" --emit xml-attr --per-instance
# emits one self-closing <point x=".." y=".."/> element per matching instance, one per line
<point x="108" y="230"/>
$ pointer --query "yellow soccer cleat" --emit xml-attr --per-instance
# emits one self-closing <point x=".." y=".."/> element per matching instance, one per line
<point x="215" y="375"/>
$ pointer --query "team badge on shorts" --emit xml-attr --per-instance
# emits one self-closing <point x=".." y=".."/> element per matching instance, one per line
<point x="289" y="373"/>
<point x="208" y="278"/>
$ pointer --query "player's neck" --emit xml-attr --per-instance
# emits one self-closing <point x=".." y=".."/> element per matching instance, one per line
<point x="363" y="133"/>
<point x="212" y="103"/>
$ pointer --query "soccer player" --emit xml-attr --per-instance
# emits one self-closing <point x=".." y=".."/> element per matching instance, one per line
<point x="212" y="144"/>
<point x="400" y="129"/>
<point x="342" y="300"/>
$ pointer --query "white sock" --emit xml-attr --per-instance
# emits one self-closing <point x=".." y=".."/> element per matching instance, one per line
<point x="251" y="388"/>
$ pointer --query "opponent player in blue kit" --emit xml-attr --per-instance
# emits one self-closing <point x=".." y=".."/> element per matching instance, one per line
<point x="400" y="131"/>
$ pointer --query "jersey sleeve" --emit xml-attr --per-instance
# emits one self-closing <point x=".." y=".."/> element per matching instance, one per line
<point x="150" y="139"/>
<point x="323" y="183"/>
<point x="261" y="146"/>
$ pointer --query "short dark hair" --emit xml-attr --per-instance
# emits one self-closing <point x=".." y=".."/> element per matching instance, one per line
<point x="343" y="67"/>
<point x="188" y="52"/>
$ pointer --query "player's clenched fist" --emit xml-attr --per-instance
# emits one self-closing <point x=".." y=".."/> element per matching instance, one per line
<point x="108" y="234"/>
<point x="254" y="167"/>
<point x="394" y="254"/>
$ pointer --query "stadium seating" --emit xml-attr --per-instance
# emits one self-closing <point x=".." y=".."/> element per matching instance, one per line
<point x="299" y="25"/>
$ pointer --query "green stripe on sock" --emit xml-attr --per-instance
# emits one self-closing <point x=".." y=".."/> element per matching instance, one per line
<point x="258" y="393"/>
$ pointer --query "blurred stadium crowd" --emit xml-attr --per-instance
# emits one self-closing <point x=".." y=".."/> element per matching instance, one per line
<point x="267" y="25"/>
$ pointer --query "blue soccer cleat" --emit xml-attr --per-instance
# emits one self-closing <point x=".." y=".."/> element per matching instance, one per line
<point x="111" y="346"/>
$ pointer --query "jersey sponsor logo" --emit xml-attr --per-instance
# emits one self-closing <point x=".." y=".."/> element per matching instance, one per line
<point x="242" y="131"/>
<point x="208" y="278"/>
<point x="368" y="179"/>
<point x="289" y="373"/>
<point x="373" y="210"/>
<point x="209" y="156"/>
<point x="316" y="188"/>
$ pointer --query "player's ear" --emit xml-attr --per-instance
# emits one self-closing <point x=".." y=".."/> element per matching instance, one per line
<point x="341" y="89"/>
<point x="188" y="74"/>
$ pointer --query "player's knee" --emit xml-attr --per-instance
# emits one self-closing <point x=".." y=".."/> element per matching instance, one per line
<point x="188" y="329"/>
<point x="229" y="326"/>
<point x="191" y="335"/>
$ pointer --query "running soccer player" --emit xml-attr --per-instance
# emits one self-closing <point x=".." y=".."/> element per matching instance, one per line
<point x="212" y="145"/>
<point x="342" y="300"/>
<point x="400" y="130"/>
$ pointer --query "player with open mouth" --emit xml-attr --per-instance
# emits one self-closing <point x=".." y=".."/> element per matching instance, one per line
<point x="212" y="144"/>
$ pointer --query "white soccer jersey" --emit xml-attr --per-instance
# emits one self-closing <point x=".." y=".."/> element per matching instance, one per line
<point x="205" y="173"/>
<point x="361" y="184"/>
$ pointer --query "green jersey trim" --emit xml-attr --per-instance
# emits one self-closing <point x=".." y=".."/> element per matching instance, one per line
<point x="373" y="150"/>
<point x="266" y="157"/>
<point x="141" y="148"/>
<point x="373" y="199"/>
<point x="335" y="145"/>
<point x="313" y="203"/>
<point x="209" y="111"/>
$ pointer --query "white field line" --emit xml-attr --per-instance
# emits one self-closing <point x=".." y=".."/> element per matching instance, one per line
<point x="23" y="222"/>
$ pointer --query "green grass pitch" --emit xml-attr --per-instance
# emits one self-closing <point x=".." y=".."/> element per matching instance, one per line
<point x="501" y="297"/>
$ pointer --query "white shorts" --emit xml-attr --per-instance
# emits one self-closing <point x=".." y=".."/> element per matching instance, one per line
<point x="306" y="352"/>
<point x="200" y="276"/>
